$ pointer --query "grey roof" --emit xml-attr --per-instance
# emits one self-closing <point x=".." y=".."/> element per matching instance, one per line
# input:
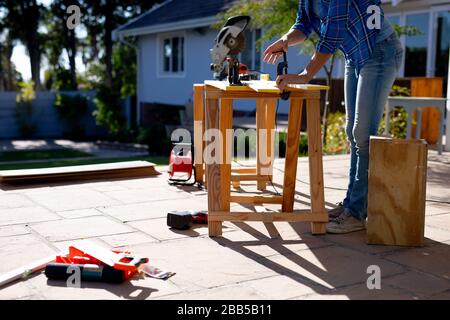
<point x="178" y="10"/>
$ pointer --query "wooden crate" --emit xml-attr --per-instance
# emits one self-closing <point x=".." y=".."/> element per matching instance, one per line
<point x="397" y="190"/>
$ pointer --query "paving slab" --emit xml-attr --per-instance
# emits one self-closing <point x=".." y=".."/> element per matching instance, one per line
<point x="153" y="209"/>
<point x="81" y="213"/>
<point x="361" y="292"/>
<point x="71" y="199"/>
<point x="418" y="284"/>
<point x="252" y="260"/>
<point x="358" y="241"/>
<point x="9" y="201"/>
<point x="233" y="292"/>
<point x="136" y="289"/>
<point x="20" y="250"/>
<point x="433" y="235"/>
<point x="79" y="228"/>
<point x="14" y="230"/>
<point x="26" y="215"/>
<point x="126" y="240"/>
<point x="330" y="267"/>
<point x="145" y="195"/>
<point x="431" y="259"/>
<point x="202" y="263"/>
<point x="441" y="221"/>
<point x="433" y="208"/>
<point x="158" y="229"/>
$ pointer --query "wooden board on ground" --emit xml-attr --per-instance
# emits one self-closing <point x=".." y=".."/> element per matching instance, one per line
<point x="129" y="169"/>
<point x="397" y="190"/>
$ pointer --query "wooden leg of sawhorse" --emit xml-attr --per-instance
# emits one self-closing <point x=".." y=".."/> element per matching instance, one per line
<point x="315" y="164"/>
<point x="265" y="126"/>
<point x="292" y="144"/>
<point x="213" y="168"/>
<point x="199" y="130"/>
<point x="226" y="133"/>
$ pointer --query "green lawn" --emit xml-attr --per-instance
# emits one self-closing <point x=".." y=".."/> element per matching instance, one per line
<point x="65" y="163"/>
<point x="28" y="155"/>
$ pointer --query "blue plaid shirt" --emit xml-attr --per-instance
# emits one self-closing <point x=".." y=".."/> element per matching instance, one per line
<point x="342" y="25"/>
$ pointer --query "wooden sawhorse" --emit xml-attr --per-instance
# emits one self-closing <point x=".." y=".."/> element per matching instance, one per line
<point x="265" y="119"/>
<point x="218" y="111"/>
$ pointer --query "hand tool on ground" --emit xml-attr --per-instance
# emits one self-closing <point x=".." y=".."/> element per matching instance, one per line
<point x="25" y="271"/>
<point x="228" y="44"/>
<point x="87" y="272"/>
<point x="95" y="263"/>
<point x="183" y="220"/>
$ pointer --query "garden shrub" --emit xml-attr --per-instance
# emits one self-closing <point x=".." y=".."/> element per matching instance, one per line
<point x="24" y="110"/>
<point x="108" y="111"/>
<point x="337" y="141"/>
<point x="156" y="138"/>
<point x="71" y="110"/>
<point x="399" y="117"/>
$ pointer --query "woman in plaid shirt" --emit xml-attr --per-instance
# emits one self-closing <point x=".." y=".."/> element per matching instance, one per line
<point x="373" y="55"/>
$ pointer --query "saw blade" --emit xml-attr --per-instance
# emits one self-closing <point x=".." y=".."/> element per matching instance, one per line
<point x="236" y="45"/>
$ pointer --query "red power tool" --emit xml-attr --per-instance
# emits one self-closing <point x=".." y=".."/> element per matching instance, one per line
<point x="181" y="165"/>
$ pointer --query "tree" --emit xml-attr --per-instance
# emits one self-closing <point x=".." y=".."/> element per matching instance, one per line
<point x="59" y="38"/>
<point x="115" y="77"/>
<point x="101" y="18"/>
<point x="276" y="17"/>
<point x="23" y="21"/>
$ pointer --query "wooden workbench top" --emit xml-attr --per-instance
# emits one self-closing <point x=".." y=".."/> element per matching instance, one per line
<point x="263" y="86"/>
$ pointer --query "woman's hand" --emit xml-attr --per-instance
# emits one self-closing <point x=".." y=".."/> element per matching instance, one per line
<point x="274" y="51"/>
<point x="284" y="80"/>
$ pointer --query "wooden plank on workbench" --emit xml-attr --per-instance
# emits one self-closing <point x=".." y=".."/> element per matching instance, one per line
<point x="263" y="86"/>
<point x="271" y="87"/>
<point x="225" y="86"/>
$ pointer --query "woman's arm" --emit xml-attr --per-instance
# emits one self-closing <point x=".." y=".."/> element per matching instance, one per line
<point x="291" y="38"/>
<point x="315" y="64"/>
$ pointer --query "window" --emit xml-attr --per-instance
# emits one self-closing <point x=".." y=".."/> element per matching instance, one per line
<point x="393" y="19"/>
<point x="442" y="43"/>
<point x="417" y="46"/>
<point x="173" y="55"/>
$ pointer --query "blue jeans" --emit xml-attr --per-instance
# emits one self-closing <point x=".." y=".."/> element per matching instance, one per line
<point x="366" y="95"/>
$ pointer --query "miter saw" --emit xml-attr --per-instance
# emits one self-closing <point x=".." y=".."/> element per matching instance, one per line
<point x="228" y="44"/>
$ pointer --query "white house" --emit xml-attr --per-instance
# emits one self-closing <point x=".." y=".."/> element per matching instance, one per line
<point x="173" y="42"/>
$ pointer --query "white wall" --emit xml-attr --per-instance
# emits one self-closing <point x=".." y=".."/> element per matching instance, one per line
<point x="177" y="90"/>
<point x="174" y="90"/>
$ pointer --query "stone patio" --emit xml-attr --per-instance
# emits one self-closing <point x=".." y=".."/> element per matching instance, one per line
<point x="250" y="261"/>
